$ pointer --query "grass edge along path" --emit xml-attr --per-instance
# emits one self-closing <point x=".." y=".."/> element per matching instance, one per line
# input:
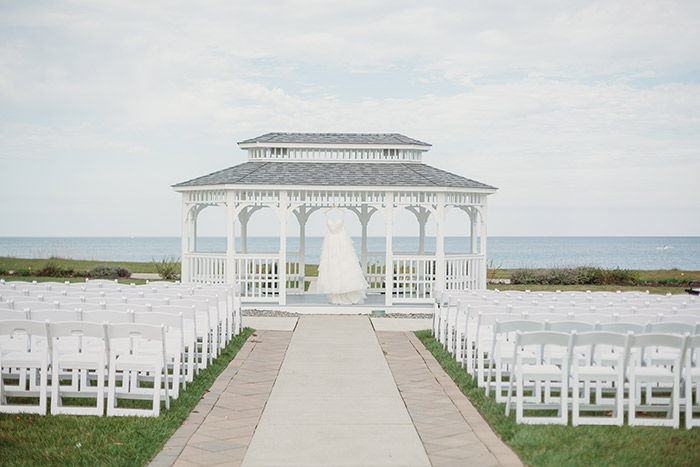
<point x="554" y="445"/>
<point x="125" y="441"/>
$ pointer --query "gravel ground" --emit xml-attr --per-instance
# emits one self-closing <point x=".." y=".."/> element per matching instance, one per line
<point x="287" y="314"/>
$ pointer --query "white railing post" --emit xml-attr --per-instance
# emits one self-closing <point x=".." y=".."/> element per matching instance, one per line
<point x="440" y="243"/>
<point x="282" y="266"/>
<point x="389" y="254"/>
<point x="185" y="275"/>
<point x="230" y="267"/>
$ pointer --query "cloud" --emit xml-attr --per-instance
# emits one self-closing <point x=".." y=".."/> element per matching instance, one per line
<point x="559" y="104"/>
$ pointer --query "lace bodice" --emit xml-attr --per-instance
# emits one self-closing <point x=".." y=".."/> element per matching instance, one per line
<point x="335" y="226"/>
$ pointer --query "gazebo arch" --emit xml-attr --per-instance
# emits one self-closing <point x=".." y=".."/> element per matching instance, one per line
<point x="296" y="174"/>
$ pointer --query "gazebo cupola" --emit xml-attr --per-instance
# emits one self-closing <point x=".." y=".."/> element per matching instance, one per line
<point x="297" y="174"/>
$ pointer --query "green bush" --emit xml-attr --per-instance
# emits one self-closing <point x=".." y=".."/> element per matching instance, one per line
<point x="53" y="268"/>
<point x="108" y="272"/>
<point x="23" y="272"/>
<point x="168" y="268"/>
<point x="583" y="275"/>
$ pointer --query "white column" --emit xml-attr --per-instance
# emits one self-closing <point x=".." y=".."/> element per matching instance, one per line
<point x="473" y="214"/>
<point x="231" y="237"/>
<point x="194" y="214"/>
<point x="282" y="215"/>
<point x="184" y="260"/>
<point x="244" y="216"/>
<point x="302" y="218"/>
<point x="440" y="243"/>
<point x="364" y="220"/>
<point x="389" y="249"/>
<point x="482" y="275"/>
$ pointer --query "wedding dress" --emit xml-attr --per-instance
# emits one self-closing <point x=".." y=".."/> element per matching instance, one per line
<point x="339" y="272"/>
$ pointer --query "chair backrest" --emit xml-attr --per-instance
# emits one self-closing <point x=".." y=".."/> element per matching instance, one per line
<point x="12" y="315"/>
<point x="128" y="307"/>
<point x="688" y="319"/>
<point x="35" y="305"/>
<point x="109" y="316"/>
<point x="543" y="338"/>
<point x="75" y="331"/>
<point x="668" y="327"/>
<point x="515" y="325"/>
<point x="23" y="333"/>
<point x="55" y="316"/>
<point x="659" y="341"/>
<point x="569" y="326"/>
<point x="108" y="300"/>
<point x="594" y="341"/>
<point x="623" y="327"/>
<point x="188" y="313"/>
<point x="153" y="300"/>
<point x="149" y="332"/>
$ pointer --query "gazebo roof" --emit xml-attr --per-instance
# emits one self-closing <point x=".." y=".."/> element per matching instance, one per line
<point x="391" y="139"/>
<point x="335" y="173"/>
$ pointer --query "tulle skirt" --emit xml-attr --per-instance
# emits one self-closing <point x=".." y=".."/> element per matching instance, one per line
<point x="339" y="272"/>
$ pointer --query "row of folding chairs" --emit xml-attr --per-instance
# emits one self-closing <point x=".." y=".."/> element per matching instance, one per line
<point x="600" y="376"/>
<point x="454" y="318"/>
<point x="82" y="363"/>
<point x="220" y="313"/>
<point x="638" y="299"/>
<point x="452" y="308"/>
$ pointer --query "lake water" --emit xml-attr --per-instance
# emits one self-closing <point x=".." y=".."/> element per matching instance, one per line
<point x="507" y="252"/>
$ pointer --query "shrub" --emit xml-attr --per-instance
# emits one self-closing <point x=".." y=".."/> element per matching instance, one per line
<point x="3" y="272"/>
<point x="108" y="272"/>
<point x="584" y="275"/>
<point x="168" y="268"/>
<point x="24" y="272"/>
<point x="54" y="269"/>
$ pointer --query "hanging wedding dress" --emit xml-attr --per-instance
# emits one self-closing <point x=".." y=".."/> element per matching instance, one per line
<point x="339" y="272"/>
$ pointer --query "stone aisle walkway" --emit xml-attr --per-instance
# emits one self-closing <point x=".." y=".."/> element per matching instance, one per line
<point x="326" y="395"/>
<point x="335" y="403"/>
<point x="221" y="426"/>
<point x="452" y="431"/>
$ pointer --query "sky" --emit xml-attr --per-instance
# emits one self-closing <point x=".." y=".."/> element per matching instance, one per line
<point x="585" y="115"/>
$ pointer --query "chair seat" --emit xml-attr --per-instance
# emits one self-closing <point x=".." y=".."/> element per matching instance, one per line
<point x="138" y="362"/>
<point x="541" y="370"/>
<point x="653" y="372"/>
<point x="597" y="371"/>
<point x="79" y="360"/>
<point x="21" y="359"/>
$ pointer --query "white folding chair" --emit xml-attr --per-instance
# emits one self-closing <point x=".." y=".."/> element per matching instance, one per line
<point x="608" y="377"/>
<point x="87" y="360"/>
<point x="177" y="349"/>
<point x="197" y="358"/>
<point x="692" y="382"/>
<point x="502" y="345"/>
<point x="538" y="343"/>
<point x="147" y="357"/>
<point x="25" y="361"/>
<point x="657" y="379"/>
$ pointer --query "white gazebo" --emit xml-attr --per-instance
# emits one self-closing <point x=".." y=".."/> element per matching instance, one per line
<point x="296" y="174"/>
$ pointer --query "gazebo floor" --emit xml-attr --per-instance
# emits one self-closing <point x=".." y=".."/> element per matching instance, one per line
<point x="318" y="304"/>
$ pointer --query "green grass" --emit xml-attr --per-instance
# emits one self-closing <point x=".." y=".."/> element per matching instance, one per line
<point x="116" y="441"/>
<point x="76" y="264"/>
<point x="551" y="445"/>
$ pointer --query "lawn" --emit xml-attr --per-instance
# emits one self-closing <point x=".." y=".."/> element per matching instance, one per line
<point x="76" y="264"/>
<point x="550" y="445"/>
<point x="30" y="440"/>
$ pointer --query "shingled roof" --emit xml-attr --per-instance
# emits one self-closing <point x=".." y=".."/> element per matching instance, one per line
<point x="394" y="139"/>
<point x="335" y="173"/>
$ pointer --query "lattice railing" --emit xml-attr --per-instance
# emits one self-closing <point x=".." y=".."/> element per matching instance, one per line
<point x="464" y="272"/>
<point x="205" y="268"/>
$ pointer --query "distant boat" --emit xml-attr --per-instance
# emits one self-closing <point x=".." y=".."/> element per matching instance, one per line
<point x="665" y="247"/>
